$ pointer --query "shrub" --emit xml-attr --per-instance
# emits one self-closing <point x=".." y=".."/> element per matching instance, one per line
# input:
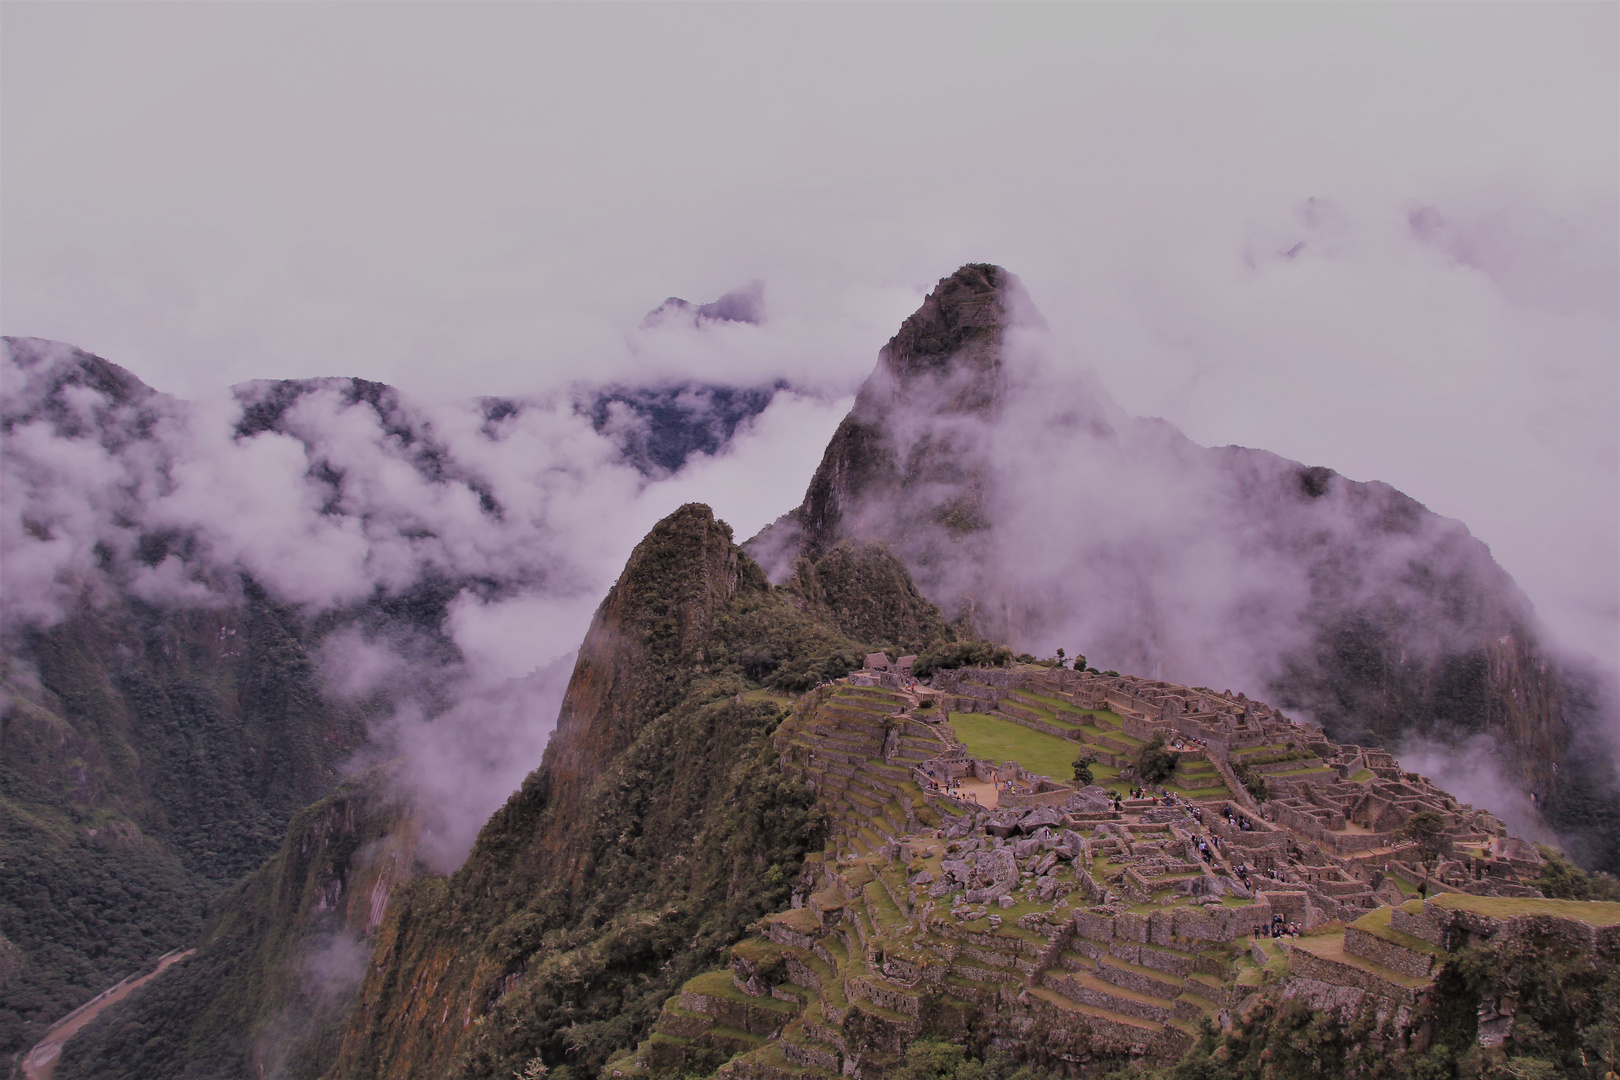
<point x="1428" y="829"/>
<point x="960" y="654"/>
<point x="1563" y="880"/>
<point x="1156" y="762"/>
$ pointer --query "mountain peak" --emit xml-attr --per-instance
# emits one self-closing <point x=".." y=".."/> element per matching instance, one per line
<point x="944" y="364"/>
<point x="962" y="319"/>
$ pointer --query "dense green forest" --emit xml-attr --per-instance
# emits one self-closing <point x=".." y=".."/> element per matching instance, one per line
<point x="148" y="759"/>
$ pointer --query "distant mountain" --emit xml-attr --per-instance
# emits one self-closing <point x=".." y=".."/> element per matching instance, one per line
<point x="707" y="876"/>
<point x="1034" y="511"/>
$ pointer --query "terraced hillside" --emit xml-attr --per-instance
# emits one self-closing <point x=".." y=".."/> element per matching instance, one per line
<point x="1110" y="926"/>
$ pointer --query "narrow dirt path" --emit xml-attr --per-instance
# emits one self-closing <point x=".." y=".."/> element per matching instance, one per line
<point x="40" y="1062"/>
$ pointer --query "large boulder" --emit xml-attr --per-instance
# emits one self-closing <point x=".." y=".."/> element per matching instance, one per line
<point x="1090" y="800"/>
<point x="995" y="874"/>
<point x="1004" y="823"/>
<point x="1040" y="817"/>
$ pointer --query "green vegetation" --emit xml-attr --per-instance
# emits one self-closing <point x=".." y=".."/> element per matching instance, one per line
<point x="961" y="654"/>
<point x="864" y="591"/>
<point x="682" y="831"/>
<point x="1563" y="880"/>
<point x="1082" y="769"/>
<point x="275" y="965"/>
<point x="1597" y="913"/>
<point x="81" y="911"/>
<point x="858" y="598"/>
<point x="1567" y="1026"/>
<point x="659" y="828"/>
<point x="1253" y="780"/>
<point x="1377" y="923"/>
<point x="1427" y="829"/>
<point x="1156" y="761"/>
<point x="941" y="1059"/>
<point x="994" y="739"/>
<point x="157" y="758"/>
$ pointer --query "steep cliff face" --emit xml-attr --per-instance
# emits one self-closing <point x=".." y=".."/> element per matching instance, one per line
<point x="1035" y="512"/>
<point x="657" y="828"/>
<point x="909" y="465"/>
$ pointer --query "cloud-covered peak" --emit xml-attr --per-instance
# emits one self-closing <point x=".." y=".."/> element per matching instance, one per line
<point x="745" y="305"/>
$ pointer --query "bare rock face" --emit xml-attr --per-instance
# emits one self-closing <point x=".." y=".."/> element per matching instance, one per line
<point x="1035" y="512"/>
<point x="1040" y="817"/>
<point x="994" y="874"/>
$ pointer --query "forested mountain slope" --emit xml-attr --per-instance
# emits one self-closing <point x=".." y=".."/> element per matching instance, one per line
<point x="657" y="828"/>
<point x="212" y="610"/>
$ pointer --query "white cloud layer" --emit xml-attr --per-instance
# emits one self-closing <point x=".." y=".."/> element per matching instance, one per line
<point x="1375" y="237"/>
<point x="345" y="500"/>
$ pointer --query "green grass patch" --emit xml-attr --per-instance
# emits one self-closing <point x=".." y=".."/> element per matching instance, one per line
<point x="718" y="984"/>
<point x="1376" y="923"/>
<point x="1002" y="740"/>
<point x="1592" y="912"/>
<point x="1407" y="888"/>
<point x="1263" y="749"/>
<point x="769" y="695"/>
<point x="1057" y="711"/>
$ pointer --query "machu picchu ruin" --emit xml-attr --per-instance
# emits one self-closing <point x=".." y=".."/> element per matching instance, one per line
<point x="1118" y="919"/>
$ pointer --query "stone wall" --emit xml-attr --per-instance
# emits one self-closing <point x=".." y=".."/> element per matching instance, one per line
<point x="1419" y="965"/>
<point x="1308" y="965"/>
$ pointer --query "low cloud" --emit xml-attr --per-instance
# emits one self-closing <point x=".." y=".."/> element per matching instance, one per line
<point x="1471" y="769"/>
<point x="461" y="546"/>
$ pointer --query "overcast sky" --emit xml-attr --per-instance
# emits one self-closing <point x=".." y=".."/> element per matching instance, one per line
<point x="1380" y="238"/>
